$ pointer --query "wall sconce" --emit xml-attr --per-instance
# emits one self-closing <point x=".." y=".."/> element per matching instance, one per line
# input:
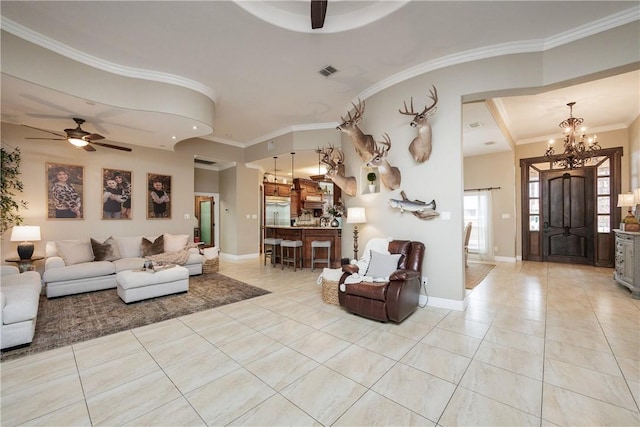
<point x="356" y="216"/>
<point x="25" y="234"/>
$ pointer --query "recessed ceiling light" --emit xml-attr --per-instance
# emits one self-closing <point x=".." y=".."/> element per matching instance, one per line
<point x="195" y="127"/>
<point x="173" y="137"/>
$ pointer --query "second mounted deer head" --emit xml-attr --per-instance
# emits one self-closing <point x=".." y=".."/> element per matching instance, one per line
<point x="334" y="159"/>
<point x="363" y="144"/>
<point x="390" y="175"/>
<point x="420" y="147"/>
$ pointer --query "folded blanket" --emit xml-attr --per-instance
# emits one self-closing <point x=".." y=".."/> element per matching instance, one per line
<point x="179" y="257"/>
<point x="332" y="274"/>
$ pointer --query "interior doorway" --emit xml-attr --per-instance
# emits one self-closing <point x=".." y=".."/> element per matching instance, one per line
<point x="206" y="213"/>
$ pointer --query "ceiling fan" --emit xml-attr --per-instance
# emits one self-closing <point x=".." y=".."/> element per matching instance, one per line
<point x="79" y="137"/>
<point x="318" y="13"/>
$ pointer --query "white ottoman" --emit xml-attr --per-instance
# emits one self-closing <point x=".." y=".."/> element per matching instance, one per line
<point x="138" y="285"/>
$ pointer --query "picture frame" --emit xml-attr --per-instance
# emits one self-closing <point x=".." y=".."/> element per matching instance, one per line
<point x="158" y="196"/>
<point x="117" y="186"/>
<point x="65" y="191"/>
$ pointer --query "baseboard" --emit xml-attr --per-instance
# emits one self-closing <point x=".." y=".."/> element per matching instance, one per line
<point x="443" y="303"/>
<point x="239" y="257"/>
<point x="505" y="259"/>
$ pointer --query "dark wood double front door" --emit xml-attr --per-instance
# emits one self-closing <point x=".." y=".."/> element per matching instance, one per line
<point x="568" y="221"/>
<point x="568" y="215"/>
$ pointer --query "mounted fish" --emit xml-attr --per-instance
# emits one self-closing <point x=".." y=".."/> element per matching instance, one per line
<point x="363" y="144"/>
<point x="420" y="147"/>
<point x="390" y="175"/>
<point x="420" y="209"/>
<point x="334" y="159"/>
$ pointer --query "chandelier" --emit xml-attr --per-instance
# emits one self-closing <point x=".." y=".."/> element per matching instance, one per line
<point x="576" y="152"/>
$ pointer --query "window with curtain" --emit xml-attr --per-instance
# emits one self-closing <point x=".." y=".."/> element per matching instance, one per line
<point x="477" y="210"/>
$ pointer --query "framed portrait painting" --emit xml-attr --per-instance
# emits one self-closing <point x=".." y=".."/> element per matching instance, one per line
<point x="65" y="191"/>
<point x="158" y="196"/>
<point x="116" y="194"/>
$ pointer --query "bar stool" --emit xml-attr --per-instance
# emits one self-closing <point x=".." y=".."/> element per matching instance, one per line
<point x="289" y="244"/>
<point x="320" y="244"/>
<point x="273" y="251"/>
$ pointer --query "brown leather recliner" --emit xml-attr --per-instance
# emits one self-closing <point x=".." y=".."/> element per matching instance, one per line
<point x="394" y="300"/>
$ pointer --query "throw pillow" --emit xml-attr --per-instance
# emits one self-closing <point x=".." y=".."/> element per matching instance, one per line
<point x="74" y="251"/>
<point x="382" y="265"/>
<point x="152" y="248"/>
<point x="175" y="243"/>
<point x="107" y="251"/>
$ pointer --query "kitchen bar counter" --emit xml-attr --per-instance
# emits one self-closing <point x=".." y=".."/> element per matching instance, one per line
<point x="307" y="235"/>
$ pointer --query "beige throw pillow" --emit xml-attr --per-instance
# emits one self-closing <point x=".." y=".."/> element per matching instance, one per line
<point x="175" y="243"/>
<point x="74" y="251"/>
<point x="381" y="265"/>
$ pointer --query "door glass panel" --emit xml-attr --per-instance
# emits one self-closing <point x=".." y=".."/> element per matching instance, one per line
<point x="534" y="189"/>
<point x="603" y="186"/>
<point x="534" y="175"/>
<point x="534" y="223"/>
<point x="534" y="206"/>
<point x="603" y="224"/>
<point x="604" y="169"/>
<point x="205" y="222"/>
<point x="604" y="207"/>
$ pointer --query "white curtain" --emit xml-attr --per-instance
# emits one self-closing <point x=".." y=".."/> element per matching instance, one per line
<point x="477" y="209"/>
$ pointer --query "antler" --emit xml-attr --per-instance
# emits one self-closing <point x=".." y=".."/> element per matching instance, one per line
<point x="387" y="145"/>
<point x="327" y="157"/>
<point x="406" y="110"/>
<point x="433" y="94"/>
<point x="358" y="114"/>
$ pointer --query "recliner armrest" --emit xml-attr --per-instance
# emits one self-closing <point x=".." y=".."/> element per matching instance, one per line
<point x="404" y="275"/>
<point x="350" y="268"/>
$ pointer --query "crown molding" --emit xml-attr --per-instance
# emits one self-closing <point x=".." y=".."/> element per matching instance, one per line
<point x="101" y="64"/>
<point x="526" y="46"/>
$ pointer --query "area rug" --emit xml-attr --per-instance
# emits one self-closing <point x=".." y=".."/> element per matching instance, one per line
<point x="475" y="273"/>
<point x="75" y="318"/>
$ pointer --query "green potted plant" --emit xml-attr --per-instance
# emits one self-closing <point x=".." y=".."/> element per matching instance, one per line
<point x="10" y="184"/>
<point x="371" y="177"/>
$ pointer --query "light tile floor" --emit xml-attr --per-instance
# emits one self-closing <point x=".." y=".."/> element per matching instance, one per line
<point x="540" y="344"/>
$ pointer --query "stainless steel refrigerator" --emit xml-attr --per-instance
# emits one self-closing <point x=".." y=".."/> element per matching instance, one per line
<point x="277" y="211"/>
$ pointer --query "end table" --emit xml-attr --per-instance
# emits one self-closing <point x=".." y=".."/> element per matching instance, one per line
<point x="25" y="264"/>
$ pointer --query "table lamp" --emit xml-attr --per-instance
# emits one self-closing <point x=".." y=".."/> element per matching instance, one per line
<point x="356" y="216"/>
<point x="25" y="234"/>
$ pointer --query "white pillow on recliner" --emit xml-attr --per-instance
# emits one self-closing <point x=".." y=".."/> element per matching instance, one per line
<point x="382" y="265"/>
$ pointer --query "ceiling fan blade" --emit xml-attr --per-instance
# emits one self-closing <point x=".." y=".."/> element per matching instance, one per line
<point x="318" y="13"/>
<point x="88" y="148"/>
<point x="93" y="137"/>
<point x="44" y="130"/>
<point x="115" y="147"/>
<point x="51" y="139"/>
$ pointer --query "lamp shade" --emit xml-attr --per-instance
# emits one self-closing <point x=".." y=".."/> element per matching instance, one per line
<point x="626" y="200"/>
<point x="25" y="233"/>
<point x="636" y="194"/>
<point x="356" y="216"/>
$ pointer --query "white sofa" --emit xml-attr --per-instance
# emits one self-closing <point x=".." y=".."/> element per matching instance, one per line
<point x="66" y="274"/>
<point x="19" y="298"/>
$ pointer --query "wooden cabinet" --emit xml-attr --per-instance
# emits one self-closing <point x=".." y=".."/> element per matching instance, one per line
<point x="276" y="189"/>
<point x="627" y="254"/>
<point x="307" y="235"/>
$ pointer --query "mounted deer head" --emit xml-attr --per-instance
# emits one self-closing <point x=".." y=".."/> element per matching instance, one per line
<point x="334" y="159"/>
<point x="420" y="147"/>
<point x="390" y="175"/>
<point x="363" y="144"/>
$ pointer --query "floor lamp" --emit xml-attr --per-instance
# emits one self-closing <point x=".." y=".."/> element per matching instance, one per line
<point x="356" y="216"/>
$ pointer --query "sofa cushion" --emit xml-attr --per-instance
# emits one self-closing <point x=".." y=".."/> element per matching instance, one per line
<point x="382" y="265"/>
<point x="105" y="251"/>
<point x="130" y="247"/>
<point x="152" y="247"/>
<point x="79" y="271"/>
<point x="175" y="243"/>
<point x="21" y="298"/>
<point x="74" y="251"/>
<point x="123" y="264"/>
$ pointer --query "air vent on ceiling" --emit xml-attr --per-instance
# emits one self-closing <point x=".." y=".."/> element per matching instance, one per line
<point x="474" y="125"/>
<point x="204" y="162"/>
<point x="328" y="70"/>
